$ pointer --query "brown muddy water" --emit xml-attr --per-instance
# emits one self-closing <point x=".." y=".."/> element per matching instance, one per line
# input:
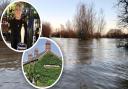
<point x="91" y="64"/>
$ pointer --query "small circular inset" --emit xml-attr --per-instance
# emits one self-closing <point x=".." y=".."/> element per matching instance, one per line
<point x="42" y="65"/>
<point x="20" y="26"/>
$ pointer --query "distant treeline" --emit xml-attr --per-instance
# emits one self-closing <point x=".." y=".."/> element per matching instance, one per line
<point x="116" y="33"/>
<point x="83" y="25"/>
<point x="72" y="33"/>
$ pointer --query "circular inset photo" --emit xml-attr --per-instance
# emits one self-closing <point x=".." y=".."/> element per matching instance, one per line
<point x="20" y="26"/>
<point x="42" y="65"/>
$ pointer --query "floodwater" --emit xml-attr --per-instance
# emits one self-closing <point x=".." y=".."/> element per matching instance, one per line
<point x="11" y="76"/>
<point x="93" y="64"/>
<point x="90" y="64"/>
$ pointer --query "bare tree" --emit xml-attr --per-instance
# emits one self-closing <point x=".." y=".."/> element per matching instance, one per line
<point x="70" y="30"/>
<point x="100" y="23"/>
<point x="84" y="21"/>
<point x="68" y="25"/>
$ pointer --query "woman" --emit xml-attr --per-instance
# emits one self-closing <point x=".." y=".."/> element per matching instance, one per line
<point x="15" y="25"/>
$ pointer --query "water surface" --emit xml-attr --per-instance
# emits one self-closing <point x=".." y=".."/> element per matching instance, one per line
<point x="90" y="64"/>
<point x="93" y="64"/>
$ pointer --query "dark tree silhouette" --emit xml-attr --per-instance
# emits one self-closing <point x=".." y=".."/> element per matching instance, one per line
<point x="123" y="14"/>
<point x="115" y="33"/>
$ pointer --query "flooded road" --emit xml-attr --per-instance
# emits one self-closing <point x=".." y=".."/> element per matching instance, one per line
<point x="91" y="64"/>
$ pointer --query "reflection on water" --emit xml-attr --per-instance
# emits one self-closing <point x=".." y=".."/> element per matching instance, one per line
<point x="90" y="64"/>
<point x="93" y="64"/>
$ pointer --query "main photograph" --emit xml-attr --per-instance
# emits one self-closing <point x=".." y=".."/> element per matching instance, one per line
<point x="93" y="37"/>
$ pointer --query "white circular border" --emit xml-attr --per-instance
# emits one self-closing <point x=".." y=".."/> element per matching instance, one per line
<point x="40" y="31"/>
<point x="41" y="38"/>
